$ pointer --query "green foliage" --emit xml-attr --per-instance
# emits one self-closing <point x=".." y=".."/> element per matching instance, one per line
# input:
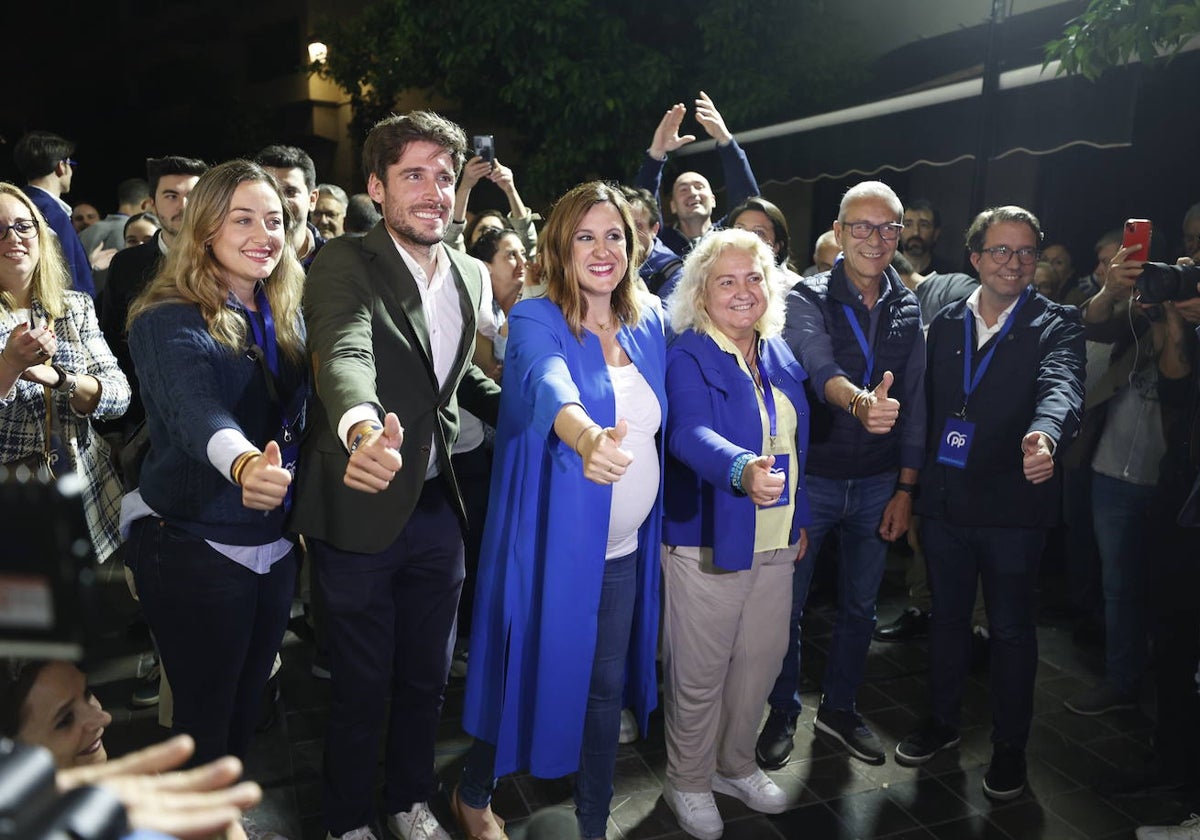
<point x="578" y="86"/>
<point x="1110" y="33"/>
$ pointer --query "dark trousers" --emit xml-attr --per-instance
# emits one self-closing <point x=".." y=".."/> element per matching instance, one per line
<point x="1175" y="630"/>
<point x="218" y="626"/>
<point x="1005" y="561"/>
<point x="390" y="623"/>
<point x="473" y="470"/>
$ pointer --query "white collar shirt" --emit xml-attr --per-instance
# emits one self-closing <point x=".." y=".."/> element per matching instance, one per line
<point x="984" y="333"/>
<point x="443" y="317"/>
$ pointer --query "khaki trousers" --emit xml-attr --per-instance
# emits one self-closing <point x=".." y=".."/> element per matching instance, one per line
<point x="724" y="635"/>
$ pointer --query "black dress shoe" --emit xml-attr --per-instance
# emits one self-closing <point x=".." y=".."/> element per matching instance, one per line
<point x="913" y="623"/>
<point x="775" y="742"/>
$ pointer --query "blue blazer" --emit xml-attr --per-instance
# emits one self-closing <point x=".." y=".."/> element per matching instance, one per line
<point x="541" y="566"/>
<point x="60" y="222"/>
<point x="715" y="419"/>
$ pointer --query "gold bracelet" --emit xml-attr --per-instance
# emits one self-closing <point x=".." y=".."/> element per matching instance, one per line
<point x="581" y="434"/>
<point x="240" y="463"/>
<point x="856" y="401"/>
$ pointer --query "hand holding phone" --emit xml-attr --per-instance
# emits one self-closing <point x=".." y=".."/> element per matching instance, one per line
<point x="1137" y="232"/>
<point x="485" y="147"/>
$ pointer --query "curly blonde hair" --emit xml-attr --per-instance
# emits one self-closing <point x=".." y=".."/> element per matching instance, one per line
<point x="686" y="307"/>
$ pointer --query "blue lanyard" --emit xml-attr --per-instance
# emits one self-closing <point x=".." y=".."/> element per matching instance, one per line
<point x="768" y="395"/>
<point x="867" y="351"/>
<point x="264" y="336"/>
<point x="971" y="383"/>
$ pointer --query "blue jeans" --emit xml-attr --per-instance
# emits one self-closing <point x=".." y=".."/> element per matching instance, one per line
<point x="1006" y="561"/>
<point x="602" y="724"/>
<point x="854" y="506"/>
<point x="1122" y="518"/>
<point x="218" y="626"/>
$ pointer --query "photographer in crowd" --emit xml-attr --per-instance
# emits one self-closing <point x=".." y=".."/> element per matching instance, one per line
<point x="1173" y="540"/>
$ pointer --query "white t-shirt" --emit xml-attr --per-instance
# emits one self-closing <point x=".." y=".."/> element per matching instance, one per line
<point x="634" y="495"/>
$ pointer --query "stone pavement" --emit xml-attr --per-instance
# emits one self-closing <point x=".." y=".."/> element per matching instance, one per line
<point x="834" y="796"/>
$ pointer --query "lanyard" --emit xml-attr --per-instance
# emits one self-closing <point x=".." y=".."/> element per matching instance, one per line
<point x="768" y="396"/>
<point x="971" y="383"/>
<point x="867" y="351"/>
<point x="264" y="336"/>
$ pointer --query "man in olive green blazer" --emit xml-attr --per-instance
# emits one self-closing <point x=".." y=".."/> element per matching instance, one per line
<point x="391" y="328"/>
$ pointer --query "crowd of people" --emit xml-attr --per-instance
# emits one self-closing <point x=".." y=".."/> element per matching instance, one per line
<point x="523" y="453"/>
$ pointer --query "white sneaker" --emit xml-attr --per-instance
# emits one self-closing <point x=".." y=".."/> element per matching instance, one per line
<point x="363" y="833"/>
<point x="696" y="812"/>
<point x="629" y="727"/>
<point x="1189" y="829"/>
<point x="756" y="790"/>
<point x="419" y="823"/>
<point x="255" y="831"/>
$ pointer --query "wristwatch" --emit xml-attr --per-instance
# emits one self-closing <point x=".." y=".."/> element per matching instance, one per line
<point x="67" y="381"/>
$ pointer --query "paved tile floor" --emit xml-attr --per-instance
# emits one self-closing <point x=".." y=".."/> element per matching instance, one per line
<point x="833" y="796"/>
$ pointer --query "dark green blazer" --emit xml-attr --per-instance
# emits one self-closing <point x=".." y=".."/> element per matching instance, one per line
<point x="369" y="343"/>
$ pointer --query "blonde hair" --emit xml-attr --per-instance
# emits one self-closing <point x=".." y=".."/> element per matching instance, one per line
<point x="556" y="252"/>
<point x="686" y="307"/>
<point x="51" y="277"/>
<point x="191" y="274"/>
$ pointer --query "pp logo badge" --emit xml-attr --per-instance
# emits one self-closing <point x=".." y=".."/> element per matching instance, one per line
<point x="956" y="442"/>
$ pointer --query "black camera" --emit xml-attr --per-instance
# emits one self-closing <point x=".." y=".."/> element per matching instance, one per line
<point x="32" y="809"/>
<point x="1160" y="283"/>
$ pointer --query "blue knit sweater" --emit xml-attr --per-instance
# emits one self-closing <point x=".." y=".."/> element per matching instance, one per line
<point x="193" y="387"/>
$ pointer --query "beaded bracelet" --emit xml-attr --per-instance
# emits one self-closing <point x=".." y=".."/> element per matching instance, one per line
<point x="735" y="472"/>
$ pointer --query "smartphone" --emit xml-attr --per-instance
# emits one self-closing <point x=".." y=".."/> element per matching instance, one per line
<point x="1137" y="232"/>
<point x="485" y="147"/>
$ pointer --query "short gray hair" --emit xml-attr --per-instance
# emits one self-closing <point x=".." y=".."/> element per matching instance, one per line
<point x="871" y="189"/>
<point x="335" y="192"/>
<point x="686" y="304"/>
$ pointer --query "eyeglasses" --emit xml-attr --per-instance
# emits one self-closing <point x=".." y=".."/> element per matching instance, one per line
<point x="1001" y="254"/>
<point x="69" y="162"/>
<point x="888" y="231"/>
<point x="22" y="228"/>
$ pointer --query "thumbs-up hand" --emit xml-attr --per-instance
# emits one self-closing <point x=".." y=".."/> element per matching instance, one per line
<point x="761" y="485"/>
<point x="1037" y="461"/>
<point x="877" y="411"/>
<point x="604" y="461"/>
<point x="375" y="456"/>
<point x="264" y="479"/>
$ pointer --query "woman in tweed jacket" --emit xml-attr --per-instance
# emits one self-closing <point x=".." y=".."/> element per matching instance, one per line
<point x="53" y="354"/>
